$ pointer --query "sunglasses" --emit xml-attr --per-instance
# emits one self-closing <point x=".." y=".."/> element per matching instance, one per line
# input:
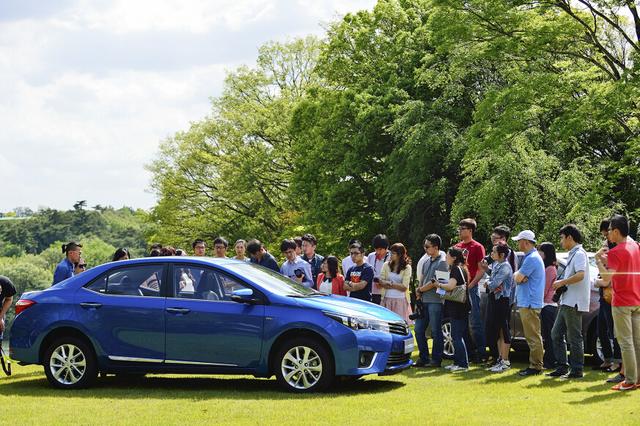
<point x="83" y="266"/>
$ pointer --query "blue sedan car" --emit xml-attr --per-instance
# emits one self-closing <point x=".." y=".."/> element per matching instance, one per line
<point x="202" y="315"/>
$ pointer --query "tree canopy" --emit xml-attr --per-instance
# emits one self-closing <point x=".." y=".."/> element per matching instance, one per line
<point x="406" y="118"/>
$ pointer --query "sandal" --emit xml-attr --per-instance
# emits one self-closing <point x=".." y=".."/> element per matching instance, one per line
<point x="613" y="368"/>
<point x="602" y="366"/>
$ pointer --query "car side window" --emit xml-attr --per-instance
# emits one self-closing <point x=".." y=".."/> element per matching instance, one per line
<point x="192" y="282"/>
<point x="143" y="280"/>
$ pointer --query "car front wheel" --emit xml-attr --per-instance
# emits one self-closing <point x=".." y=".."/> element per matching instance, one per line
<point x="304" y="365"/>
<point x="69" y="363"/>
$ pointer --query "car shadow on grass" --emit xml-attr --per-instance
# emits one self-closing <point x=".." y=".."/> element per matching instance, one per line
<point x="194" y="388"/>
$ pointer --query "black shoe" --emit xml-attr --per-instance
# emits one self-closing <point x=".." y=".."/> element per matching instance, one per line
<point x="558" y="372"/>
<point x="574" y="374"/>
<point x="529" y="372"/>
<point x="616" y="379"/>
<point x="420" y="363"/>
<point x="433" y="365"/>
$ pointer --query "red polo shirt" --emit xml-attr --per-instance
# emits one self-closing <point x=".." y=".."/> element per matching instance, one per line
<point x="624" y="259"/>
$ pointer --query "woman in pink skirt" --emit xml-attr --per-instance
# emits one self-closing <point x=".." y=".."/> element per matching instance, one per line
<point x="395" y="278"/>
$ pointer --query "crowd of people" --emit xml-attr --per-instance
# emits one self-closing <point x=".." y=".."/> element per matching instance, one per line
<point x="448" y="281"/>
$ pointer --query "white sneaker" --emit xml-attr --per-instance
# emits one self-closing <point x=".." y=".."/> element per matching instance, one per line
<point x="494" y="365"/>
<point x="502" y="367"/>
<point x="455" y="368"/>
<point x="449" y="367"/>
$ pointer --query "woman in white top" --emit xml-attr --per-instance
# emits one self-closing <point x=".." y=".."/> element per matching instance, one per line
<point x="240" y="248"/>
<point x="395" y="278"/>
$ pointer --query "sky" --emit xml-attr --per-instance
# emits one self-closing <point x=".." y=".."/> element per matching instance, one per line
<point x="89" y="88"/>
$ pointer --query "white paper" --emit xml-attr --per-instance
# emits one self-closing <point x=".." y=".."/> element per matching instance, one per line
<point x="442" y="277"/>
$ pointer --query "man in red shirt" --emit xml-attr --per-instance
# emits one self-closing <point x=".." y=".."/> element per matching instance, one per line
<point x="474" y="255"/>
<point x="621" y="266"/>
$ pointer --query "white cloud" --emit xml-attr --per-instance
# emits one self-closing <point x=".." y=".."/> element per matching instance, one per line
<point x="89" y="90"/>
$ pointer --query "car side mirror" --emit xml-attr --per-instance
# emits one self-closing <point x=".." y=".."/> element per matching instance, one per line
<point x="244" y="295"/>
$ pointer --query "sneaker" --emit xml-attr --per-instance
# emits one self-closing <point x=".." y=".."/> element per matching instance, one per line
<point x="455" y="368"/>
<point x="494" y="365"/>
<point x="529" y="372"/>
<point x="558" y="372"/>
<point x="420" y="363"/>
<point x="502" y="367"/>
<point x="574" y="374"/>
<point x="616" y="379"/>
<point x="433" y="365"/>
<point x="624" y="386"/>
<point x="449" y="367"/>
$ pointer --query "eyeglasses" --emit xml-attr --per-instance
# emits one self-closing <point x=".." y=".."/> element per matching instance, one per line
<point x="427" y="247"/>
<point x="354" y="253"/>
<point x="462" y="228"/>
<point x="82" y="266"/>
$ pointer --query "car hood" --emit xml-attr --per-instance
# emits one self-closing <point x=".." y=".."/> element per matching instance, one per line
<point x="348" y="306"/>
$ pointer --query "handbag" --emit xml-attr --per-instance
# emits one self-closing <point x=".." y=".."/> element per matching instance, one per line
<point x="458" y="294"/>
<point x="607" y="294"/>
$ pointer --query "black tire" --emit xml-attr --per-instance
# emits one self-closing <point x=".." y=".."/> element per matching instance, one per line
<point x="314" y="375"/>
<point x="69" y="363"/>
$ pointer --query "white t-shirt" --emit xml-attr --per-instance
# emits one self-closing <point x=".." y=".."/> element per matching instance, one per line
<point x="326" y="286"/>
<point x="392" y="293"/>
<point x="188" y="282"/>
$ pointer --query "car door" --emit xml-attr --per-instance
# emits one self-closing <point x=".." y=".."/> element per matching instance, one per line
<point x="204" y="326"/>
<point x="123" y="310"/>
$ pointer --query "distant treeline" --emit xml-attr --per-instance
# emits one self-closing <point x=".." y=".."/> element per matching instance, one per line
<point x="31" y="248"/>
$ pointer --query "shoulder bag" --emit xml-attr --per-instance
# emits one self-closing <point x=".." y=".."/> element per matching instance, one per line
<point x="459" y="293"/>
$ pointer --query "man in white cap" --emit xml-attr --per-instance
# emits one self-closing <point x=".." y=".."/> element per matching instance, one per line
<point x="530" y="281"/>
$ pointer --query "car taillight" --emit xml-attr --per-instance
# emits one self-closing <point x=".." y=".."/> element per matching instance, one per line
<point x="23" y="304"/>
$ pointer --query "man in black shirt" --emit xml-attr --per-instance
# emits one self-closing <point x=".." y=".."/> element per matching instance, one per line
<point x="359" y="277"/>
<point x="261" y="256"/>
<point x="309" y="244"/>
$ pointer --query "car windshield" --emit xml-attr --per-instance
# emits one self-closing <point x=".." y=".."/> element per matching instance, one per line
<point x="271" y="280"/>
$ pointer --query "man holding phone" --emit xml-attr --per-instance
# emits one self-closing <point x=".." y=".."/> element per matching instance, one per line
<point x="431" y="303"/>
<point x="294" y="267"/>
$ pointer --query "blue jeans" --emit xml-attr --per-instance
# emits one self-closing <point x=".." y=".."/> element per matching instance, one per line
<point x="432" y="318"/>
<point x="568" y="323"/>
<point x="477" y="326"/>
<point x="610" y="347"/>
<point x="458" y="329"/>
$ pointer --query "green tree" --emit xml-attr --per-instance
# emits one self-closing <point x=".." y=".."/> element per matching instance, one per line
<point x="230" y="173"/>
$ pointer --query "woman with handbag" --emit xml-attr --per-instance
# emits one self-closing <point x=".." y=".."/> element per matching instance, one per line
<point x="395" y="277"/>
<point x="456" y="306"/>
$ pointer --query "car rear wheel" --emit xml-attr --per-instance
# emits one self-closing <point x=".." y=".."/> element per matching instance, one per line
<point x="448" y="350"/>
<point x="304" y="365"/>
<point x="69" y="363"/>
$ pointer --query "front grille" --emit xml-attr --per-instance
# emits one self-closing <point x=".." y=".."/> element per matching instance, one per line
<point x="397" y="359"/>
<point x="399" y="327"/>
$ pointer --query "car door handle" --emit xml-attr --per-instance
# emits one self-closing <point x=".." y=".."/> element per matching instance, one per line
<point x="91" y="305"/>
<point x="182" y="311"/>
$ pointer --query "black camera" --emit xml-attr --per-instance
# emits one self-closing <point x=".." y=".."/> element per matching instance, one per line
<point x="558" y="293"/>
<point x="418" y="313"/>
<point x="298" y="273"/>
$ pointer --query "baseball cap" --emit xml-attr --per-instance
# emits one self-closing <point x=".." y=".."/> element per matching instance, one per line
<point x="525" y="235"/>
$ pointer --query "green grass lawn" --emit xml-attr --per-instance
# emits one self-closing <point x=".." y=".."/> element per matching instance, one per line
<point x="416" y="396"/>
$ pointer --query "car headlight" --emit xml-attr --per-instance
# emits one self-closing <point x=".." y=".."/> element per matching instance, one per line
<point x="359" y="323"/>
